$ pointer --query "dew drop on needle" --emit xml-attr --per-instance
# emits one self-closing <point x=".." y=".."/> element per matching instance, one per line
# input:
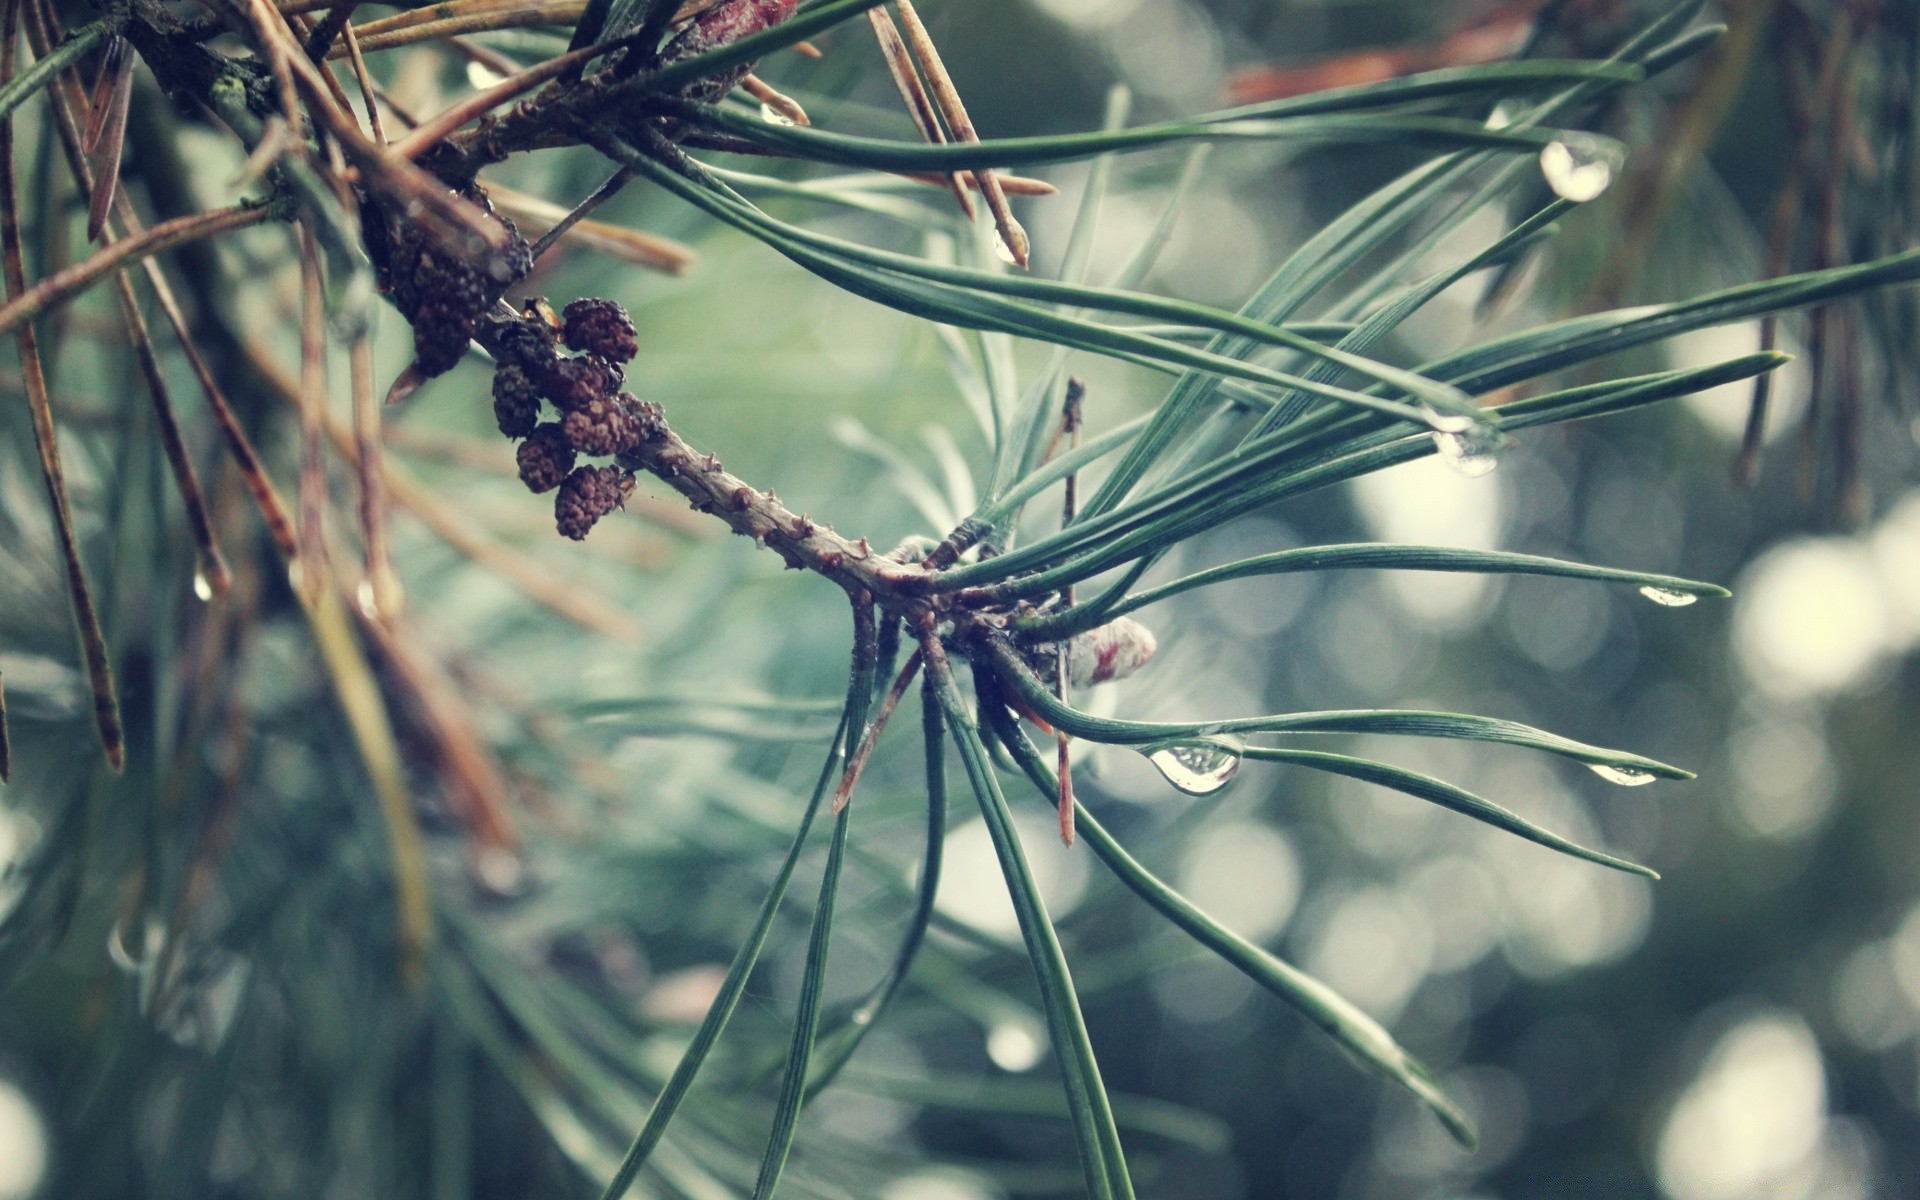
<point x="1472" y="452"/>
<point x="1196" y="768"/>
<point x="1580" y="168"/>
<point x="1624" y="776"/>
<point x="1667" y="596"/>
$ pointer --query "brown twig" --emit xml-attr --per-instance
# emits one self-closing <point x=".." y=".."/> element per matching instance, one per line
<point x="914" y="95"/>
<point x="437" y="127"/>
<point x="320" y="41"/>
<point x="253" y="473"/>
<point x="555" y="12"/>
<point x="211" y="578"/>
<point x="212" y="575"/>
<point x="475" y="791"/>
<point x="383" y="585"/>
<point x="1070" y="432"/>
<point x="1012" y="236"/>
<point x="368" y="92"/>
<point x="571" y="226"/>
<point x="481" y="56"/>
<point x="800" y="540"/>
<point x="93" y="642"/>
<point x="774" y="99"/>
<point x="857" y="764"/>
<point x="106" y="133"/>
<point x="58" y="288"/>
<point x="312" y="488"/>
<point x="505" y="16"/>
<point x="65" y="96"/>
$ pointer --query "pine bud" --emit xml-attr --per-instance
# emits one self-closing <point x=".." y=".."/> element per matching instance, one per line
<point x="545" y="458"/>
<point x="575" y="382"/>
<point x="440" y="294"/>
<point x="601" y="327"/>
<point x="722" y="25"/>
<point x="603" y="425"/>
<point x="1113" y="651"/>
<point x="525" y="342"/>
<point x="587" y="495"/>
<point x="516" y="403"/>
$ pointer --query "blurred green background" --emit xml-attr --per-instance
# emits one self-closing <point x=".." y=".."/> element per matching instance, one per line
<point x="1747" y="1027"/>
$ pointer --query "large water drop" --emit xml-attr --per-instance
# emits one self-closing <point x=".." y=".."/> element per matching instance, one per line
<point x="1473" y="451"/>
<point x="1015" y="1044"/>
<point x="147" y="936"/>
<point x="1197" y="768"/>
<point x="1668" y="597"/>
<point x="202" y="587"/>
<point x="1624" y="776"/>
<point x="1581" y="167"/>
<point x="1446" y="422"/>
<point x="774" y="116"/>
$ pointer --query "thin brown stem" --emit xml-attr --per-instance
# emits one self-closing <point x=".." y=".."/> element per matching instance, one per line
<point x="266" y="152"/>
<point x="65" y="96"/>
<point x="858" y="763"/>
<point x="948" y="98"/>
<point x="93" y="642"/>
<point x="437" y="127"/>
<point x="267" y="24"/>
<point x="368" y="93"/>
<point x="774" y="99"/>
<point x="507" y="16"/>
<point x="253" y="473"/>
<point x="479" y="55"/>
<point x="107" y="132"/>
<point x="313" y="416"/>
<point x="383" y="585"/>
<point x="212" y="576"/>
<point x="320" y="41"/>
<point x="551" y="12"/>
<point x="1070" y="432"/>
<point x="61" y="287"/>
<point x="474" y="788"/>
<point x="568" y="219"/>
<point x="914" y="95"/>
<point x="447" y="215"/>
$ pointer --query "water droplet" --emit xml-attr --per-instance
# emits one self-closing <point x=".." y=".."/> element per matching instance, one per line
<point x="1445" y="422"/>
<point x="1624" y="776"/>
<point x="202" y="587"/>
<point x="774" y="116"/>
<point x="1667" y="596"/>
<point x="1580" y="167"/>
<point x="368" y="601"/>
<point x="1015" y="1045"/>
<point x="483" y="77"/>
<point x="1500" y="117"/>
<point x="1473" y="451"/>
<point x="1002" y="251"/>
<point x="498" y="870"/>
<point x="150" y="935"/>
<point x="1198" y="768"/>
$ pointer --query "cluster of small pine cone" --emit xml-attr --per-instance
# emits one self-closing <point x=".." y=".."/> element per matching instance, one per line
<point x="443" y="297"/>
<point x="595" y="418"/>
